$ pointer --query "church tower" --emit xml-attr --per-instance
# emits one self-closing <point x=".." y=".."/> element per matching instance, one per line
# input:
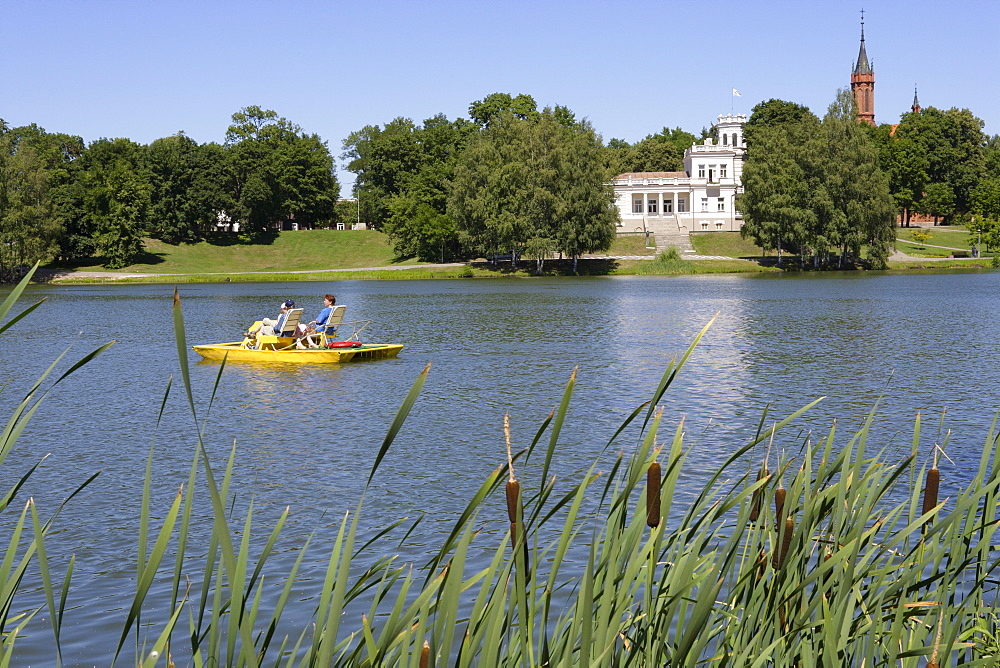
<point x="863" y="83"/>
<point x="915" y="108"/>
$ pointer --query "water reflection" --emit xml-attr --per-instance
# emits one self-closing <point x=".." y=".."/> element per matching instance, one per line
<point x="305" y="437"/>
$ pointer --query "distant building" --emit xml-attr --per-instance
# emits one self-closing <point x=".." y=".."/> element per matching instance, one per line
<point x="863" y="83"/>
<point x="699" y="199"/>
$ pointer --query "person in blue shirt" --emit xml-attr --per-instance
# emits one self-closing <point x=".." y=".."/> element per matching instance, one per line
<point x="319" y="324"/>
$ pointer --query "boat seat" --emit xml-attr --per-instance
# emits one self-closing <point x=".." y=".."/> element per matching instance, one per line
<point x="330" y="327"/>
<point x="280" y="341"/>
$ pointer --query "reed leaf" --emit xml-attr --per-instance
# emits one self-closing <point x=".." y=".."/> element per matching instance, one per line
<point x="149" y="570"/>
<point x="397" y="422"/>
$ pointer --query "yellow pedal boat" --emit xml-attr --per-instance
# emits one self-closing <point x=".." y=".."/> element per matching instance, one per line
<point x="237" y="352"/>
<point x="325" y="350"/>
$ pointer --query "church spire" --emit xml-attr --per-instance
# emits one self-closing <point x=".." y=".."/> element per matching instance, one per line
<point x="916" y="102"/>
<point x="863" y="82"/>
<point x="862" y="66"/>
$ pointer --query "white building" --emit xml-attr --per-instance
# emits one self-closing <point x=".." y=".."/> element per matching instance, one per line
<point x="699" y="199"/>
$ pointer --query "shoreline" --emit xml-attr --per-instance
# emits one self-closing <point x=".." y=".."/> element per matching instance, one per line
<point x="444" y="271"/>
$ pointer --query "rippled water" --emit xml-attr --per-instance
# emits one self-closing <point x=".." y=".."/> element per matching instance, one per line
<point x="305" y="437"/>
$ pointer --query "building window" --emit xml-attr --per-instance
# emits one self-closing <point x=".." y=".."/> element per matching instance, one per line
<point x="704" y="204"/>
<point x="668" y="205"/>
<point x="637" y="205"/>
<point x="734" y="139"/>
<point x="722" y="204"/>
<point x="711" y="173"/>
<point x="718" y="225"/>
<point x="681" y="205"/>
<point x="701" y="171"/>
<point x="725" y="139"/>
<point x="651" y="206"/>
<point x="722" y="171"/>
<point x="704" y="226"/>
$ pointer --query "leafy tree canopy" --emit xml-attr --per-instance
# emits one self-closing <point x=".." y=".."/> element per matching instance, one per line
<point x="484" y="111"/>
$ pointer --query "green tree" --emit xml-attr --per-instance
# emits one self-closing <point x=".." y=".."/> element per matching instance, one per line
<point x="986" y="198"/>
<point x="862" y="212"/>
<point x="584" y="217"/>
<point x="533" y="179"/>
<point x="776" y="113"/>
<point x="661" y="152"/>
<point x="991" y="156"/>
<point x="116" y="194"/>
<point x="188" y="184"/>
<point x="382" y="158"/>
<point x="907" y="175"/>
<point x="403" y="174"/>
<point x="29" y="226"/>
<point x="492" y="197"/>
<point x="650" y="155"/>
<point x="277" y="173"/>
<point x="777" y="201"/>
<point x="955" y="148"/>
<point x="818" y="187"/>
<point x="483" y="112"/>
<point x="938" y="201"/>
<point x="59" y="155"/>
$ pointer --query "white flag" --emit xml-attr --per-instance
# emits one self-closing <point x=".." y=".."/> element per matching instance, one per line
<point x="736" y="93"/>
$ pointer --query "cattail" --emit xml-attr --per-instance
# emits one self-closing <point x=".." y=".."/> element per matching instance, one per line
<point x="513" y="491"/>
<point x="761" y="564"/>
<point x="931" y="489"/>
<point x="513" y="487"/>
<point x="779" y="503"/>
<point x="779" y="555"/>
<point x="827" y="555"/>
<point x="933" y="663"/>
<point x="758" y="494"/>
<point x="653" y="495"/>
<point x="425" y="655"/>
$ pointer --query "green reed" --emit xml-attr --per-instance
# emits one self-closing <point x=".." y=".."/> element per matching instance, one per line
<point x="859" y="561"/>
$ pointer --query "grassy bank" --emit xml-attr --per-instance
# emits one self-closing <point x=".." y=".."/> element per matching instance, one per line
<point x="303" y="250"/>
<point x="728" y="244"/>
<point x="828" y="555"/>
<point x="331" y="255"/>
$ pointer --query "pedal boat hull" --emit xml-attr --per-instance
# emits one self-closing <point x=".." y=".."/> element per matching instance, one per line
<point x="237" y="352"/>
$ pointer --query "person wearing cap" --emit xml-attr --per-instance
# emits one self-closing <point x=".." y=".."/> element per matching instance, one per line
<point x="270" y="327"/>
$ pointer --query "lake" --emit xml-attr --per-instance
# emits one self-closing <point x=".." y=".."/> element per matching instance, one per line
<point x="306" y="436"/>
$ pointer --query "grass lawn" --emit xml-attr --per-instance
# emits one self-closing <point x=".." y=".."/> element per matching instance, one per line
<point x="727" y="244"/>
<point x="319" y="250"/>
<point x="631" y="244"/>
<point x="290" y="251"/>
<point x="949" y="237"/>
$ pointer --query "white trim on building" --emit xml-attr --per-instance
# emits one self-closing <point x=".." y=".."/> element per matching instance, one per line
<point x="699" y="199"/>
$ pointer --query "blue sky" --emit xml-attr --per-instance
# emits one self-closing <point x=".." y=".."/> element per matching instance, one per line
<point x="148" y="69"/>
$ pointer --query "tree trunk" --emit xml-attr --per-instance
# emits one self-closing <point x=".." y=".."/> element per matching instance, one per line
<point x="574" y="265"/>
